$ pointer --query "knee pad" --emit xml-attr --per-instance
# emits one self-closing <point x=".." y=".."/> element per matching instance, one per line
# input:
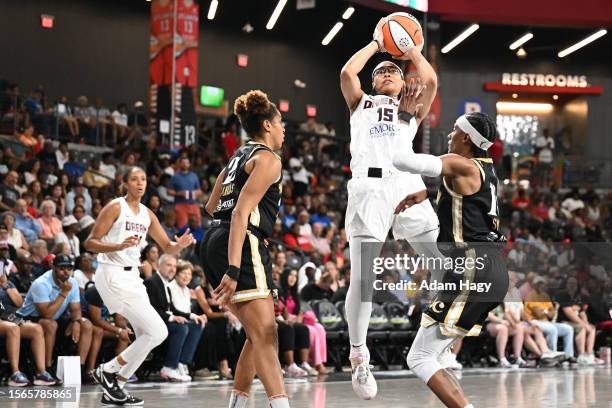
<point x="423" y="365"/>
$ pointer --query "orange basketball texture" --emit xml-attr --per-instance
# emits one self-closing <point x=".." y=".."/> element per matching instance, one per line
<point x="400" y="32"/>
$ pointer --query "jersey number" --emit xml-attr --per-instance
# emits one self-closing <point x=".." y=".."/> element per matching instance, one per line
<point x="231" y="170"/>
<point x="494" y="212"/>
<point x="385" y="114"/>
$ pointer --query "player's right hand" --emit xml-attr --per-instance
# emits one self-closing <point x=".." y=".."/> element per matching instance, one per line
<point x="224" y="292"/>
<point x="129" y="242"/>
<point x="378" y="35"/>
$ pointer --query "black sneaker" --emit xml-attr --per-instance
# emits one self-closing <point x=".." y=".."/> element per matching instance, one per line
<point x="108" y="381"/>
<point x="131" y="401"/>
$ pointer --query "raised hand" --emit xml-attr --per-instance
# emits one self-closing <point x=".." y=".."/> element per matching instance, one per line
<point x="377" y="36"/>
<point x="185" y="240"/>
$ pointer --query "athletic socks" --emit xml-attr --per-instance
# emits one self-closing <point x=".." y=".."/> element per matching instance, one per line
<point x="238" y="399"/>
<point x="279" y="401"/>
<point x="112" y="366"/>
<point x="121" y="383"/>
<point x="469" y="406"/>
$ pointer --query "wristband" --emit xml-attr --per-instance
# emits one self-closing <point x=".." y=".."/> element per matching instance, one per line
<point x="405" y="116"/>
<point x="62" y="295"/>
<point x="233" y="272"/>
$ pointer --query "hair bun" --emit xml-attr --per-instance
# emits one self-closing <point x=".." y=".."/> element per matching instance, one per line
<point x="254" y="102"/>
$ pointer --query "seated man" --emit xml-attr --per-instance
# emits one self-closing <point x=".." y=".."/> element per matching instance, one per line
<point x="539" y="310"/>
<point x="49" y="297"/>
<point x="93" y="308"/>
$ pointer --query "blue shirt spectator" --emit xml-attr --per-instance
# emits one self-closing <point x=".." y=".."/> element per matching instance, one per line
<point x="46" y="290"/>
<point x="74" y="168"/>
<point x="24" y="222"/>
<point x="185" y="184"/>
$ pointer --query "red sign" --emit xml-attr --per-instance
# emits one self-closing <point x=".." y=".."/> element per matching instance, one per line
<point x="283" y="105"/>
<point x="311" y="111"/>
<point x="46" y="21"/>
<point x="242" y="60"/>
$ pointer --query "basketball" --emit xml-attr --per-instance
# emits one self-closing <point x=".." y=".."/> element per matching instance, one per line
<point x="400" y="32"/>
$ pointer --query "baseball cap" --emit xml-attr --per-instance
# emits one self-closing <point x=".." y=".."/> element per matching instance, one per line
<point x="62" y="260"/>
<point x="539" y="279"/>
<point x="69" y="220"/>
<point x="138" y="104"/>
<point x="86" y="221"/>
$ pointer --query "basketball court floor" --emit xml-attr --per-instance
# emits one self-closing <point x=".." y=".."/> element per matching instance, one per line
<point x="499" y="388"/>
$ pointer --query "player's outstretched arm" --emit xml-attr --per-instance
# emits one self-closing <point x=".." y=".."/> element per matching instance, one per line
<point x="349" y="75"/>
<point x="452" y="165"/>
<point x="428" y="78"/>
<point x="266" y="170"/>
<point x="104" y="222"/>
<point x="213" y="200"/>
<point x="159" y="235"/>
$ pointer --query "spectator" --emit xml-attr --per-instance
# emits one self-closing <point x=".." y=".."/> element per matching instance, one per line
<point x="48" y="298"/>
<point x="527" y="287"/>
<point x="102" y="119"/>
<point x="13" y="328"/>
<point x="138" y="123"/>
<point x="114" y="327"/>
<point x="120" y="119"/>
<point x="185" y="331"/>
<point x="521" y="202"/>
<point x="64" y="115"/>
<point x="321" y="216"/>
<point x="597" y="270"/>
<point x="185" y="187"/>
<point x="501" y="329"/>
<point x="62" y="155"/>
<point x="32" y="171"/>
<point x="169" y="224"/>
<point x="36" y="112"/>
<point x="320" y="239"/>
<point x="8" y="191"/>
<point x="292" y="338"/>
<point x="216" y="337"/>
<point x="598" y="311"/>
<point x="149" y="259"/>
<point x="539" y="310"/>
<point x="93" y="176"/>
<point x="321" y="289"/>
<point x="294" y="239"/>
<point x="572" y="203"/>
<point x="107" y="167"/>
<point x="73" y="167"/>
<point x="15" y="237"/>
<point x="318" y="340"/>
<point x="39" y="251"/>
<point x="86" y="274"/>
<point x="573" y="312"/>
<point x="71" y="228"/>
<point x="230" y="138"/>
<point x="299" y="176"/>
<point x="50" y="225"/>
<point x="84" y="113"/>
<point x="79" y="189"/>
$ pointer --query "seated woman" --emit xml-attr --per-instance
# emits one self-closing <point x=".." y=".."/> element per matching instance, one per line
<point x="292" y="337"/>
<point x="214" y="347"/>
<point x="12" y="332"/>
<point x="572" y="311"/>
<point x="149" y="259"/>
<point x="186" y="328"/>
<point x="501" y="329"/>
<point x="318" y="340"/>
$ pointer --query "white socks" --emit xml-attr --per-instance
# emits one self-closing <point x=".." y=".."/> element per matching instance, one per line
<point x="238" y="399"/>
<point x="469" y="406"/>
<point x="112" y="366"/>
<point x="279" y="401"/>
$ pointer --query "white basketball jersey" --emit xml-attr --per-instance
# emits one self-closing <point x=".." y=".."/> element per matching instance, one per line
<point x="375" y="134"/>
<point x="126" y="225"/>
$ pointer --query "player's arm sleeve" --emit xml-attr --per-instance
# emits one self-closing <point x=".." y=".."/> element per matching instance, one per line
<point x="425" y="164"/>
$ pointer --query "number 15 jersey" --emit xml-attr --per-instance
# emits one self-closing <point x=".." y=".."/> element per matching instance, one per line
<point x="376" y="135"/>
<point x="263" y="216"/>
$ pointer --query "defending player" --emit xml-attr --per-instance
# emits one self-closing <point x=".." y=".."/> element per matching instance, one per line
<point x="468" y="213"/>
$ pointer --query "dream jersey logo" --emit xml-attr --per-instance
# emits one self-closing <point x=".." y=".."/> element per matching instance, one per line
<point x="135" y="227"/>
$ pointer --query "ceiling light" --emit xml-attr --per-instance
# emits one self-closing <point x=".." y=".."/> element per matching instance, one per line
<point x="521" y="53"/>
<point x="348" y="13"/>
<point x="582" y="43"/>
<point x="465" y="34"/>
<point x="514" y="96"/>
<point x="213" y="9"/>
<point x="555" y="97"/>
<point x="521" y="41"/>
<point x="275" y="14"/>
<point x="332" y="33"/>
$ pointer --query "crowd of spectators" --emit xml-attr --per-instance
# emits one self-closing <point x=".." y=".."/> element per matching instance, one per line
<point x="50" y="199"/>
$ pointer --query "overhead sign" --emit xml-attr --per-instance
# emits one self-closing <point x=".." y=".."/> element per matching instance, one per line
<point x="550" y="80"/>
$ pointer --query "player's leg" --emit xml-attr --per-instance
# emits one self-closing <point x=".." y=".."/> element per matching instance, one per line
<point x="244" y="375"/>
<point x="358" y="307"/>
<point x="257" y="317"/>
<point x="422" y="359"/>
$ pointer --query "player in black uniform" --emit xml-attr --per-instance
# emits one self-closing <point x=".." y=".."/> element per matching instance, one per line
<point x="245" y="202"/>
<point x="469" y="236"/>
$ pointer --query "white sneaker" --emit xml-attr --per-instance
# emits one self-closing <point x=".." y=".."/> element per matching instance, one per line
<point x="308" y="368"/>
<point x="520" y="362"/>
<point x="583" y="359"/>
<point x="504" y="363"/>
<point x="170" y="374"/>
<point x="452" y="362"/>
<point x="294" y="371"/>
<point x="364" y="383"/>
<point x="184" y="372"/>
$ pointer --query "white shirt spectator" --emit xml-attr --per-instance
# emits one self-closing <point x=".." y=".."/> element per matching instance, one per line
<point x="570" y="205"/>
<point x="61" y="158"/>
<point x="181" y="298"/>
<point x="599" y="272"/>
<point x="120" y="118"/>
<point x="109" y="170"/>
<point x="74" y="243"/>
<point x="16" y="238"/>
<point x="82" y="279"/>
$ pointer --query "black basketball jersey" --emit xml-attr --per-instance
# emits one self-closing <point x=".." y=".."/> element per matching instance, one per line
<point x="263" y="217"/>
<point x="474" y="217"/>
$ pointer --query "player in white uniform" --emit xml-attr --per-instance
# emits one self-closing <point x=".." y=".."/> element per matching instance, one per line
<point x="377" y="186"/>
<point x="116" y="237"/>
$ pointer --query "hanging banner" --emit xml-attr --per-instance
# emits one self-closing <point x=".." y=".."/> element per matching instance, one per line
<point x="173" y="68"/>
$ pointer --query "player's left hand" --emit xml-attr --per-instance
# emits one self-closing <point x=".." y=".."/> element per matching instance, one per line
<point x="410" y="200"/>
<point x="224" y="292"/>
<point x="411" y="53"/>
<point x="185" y="240"/>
